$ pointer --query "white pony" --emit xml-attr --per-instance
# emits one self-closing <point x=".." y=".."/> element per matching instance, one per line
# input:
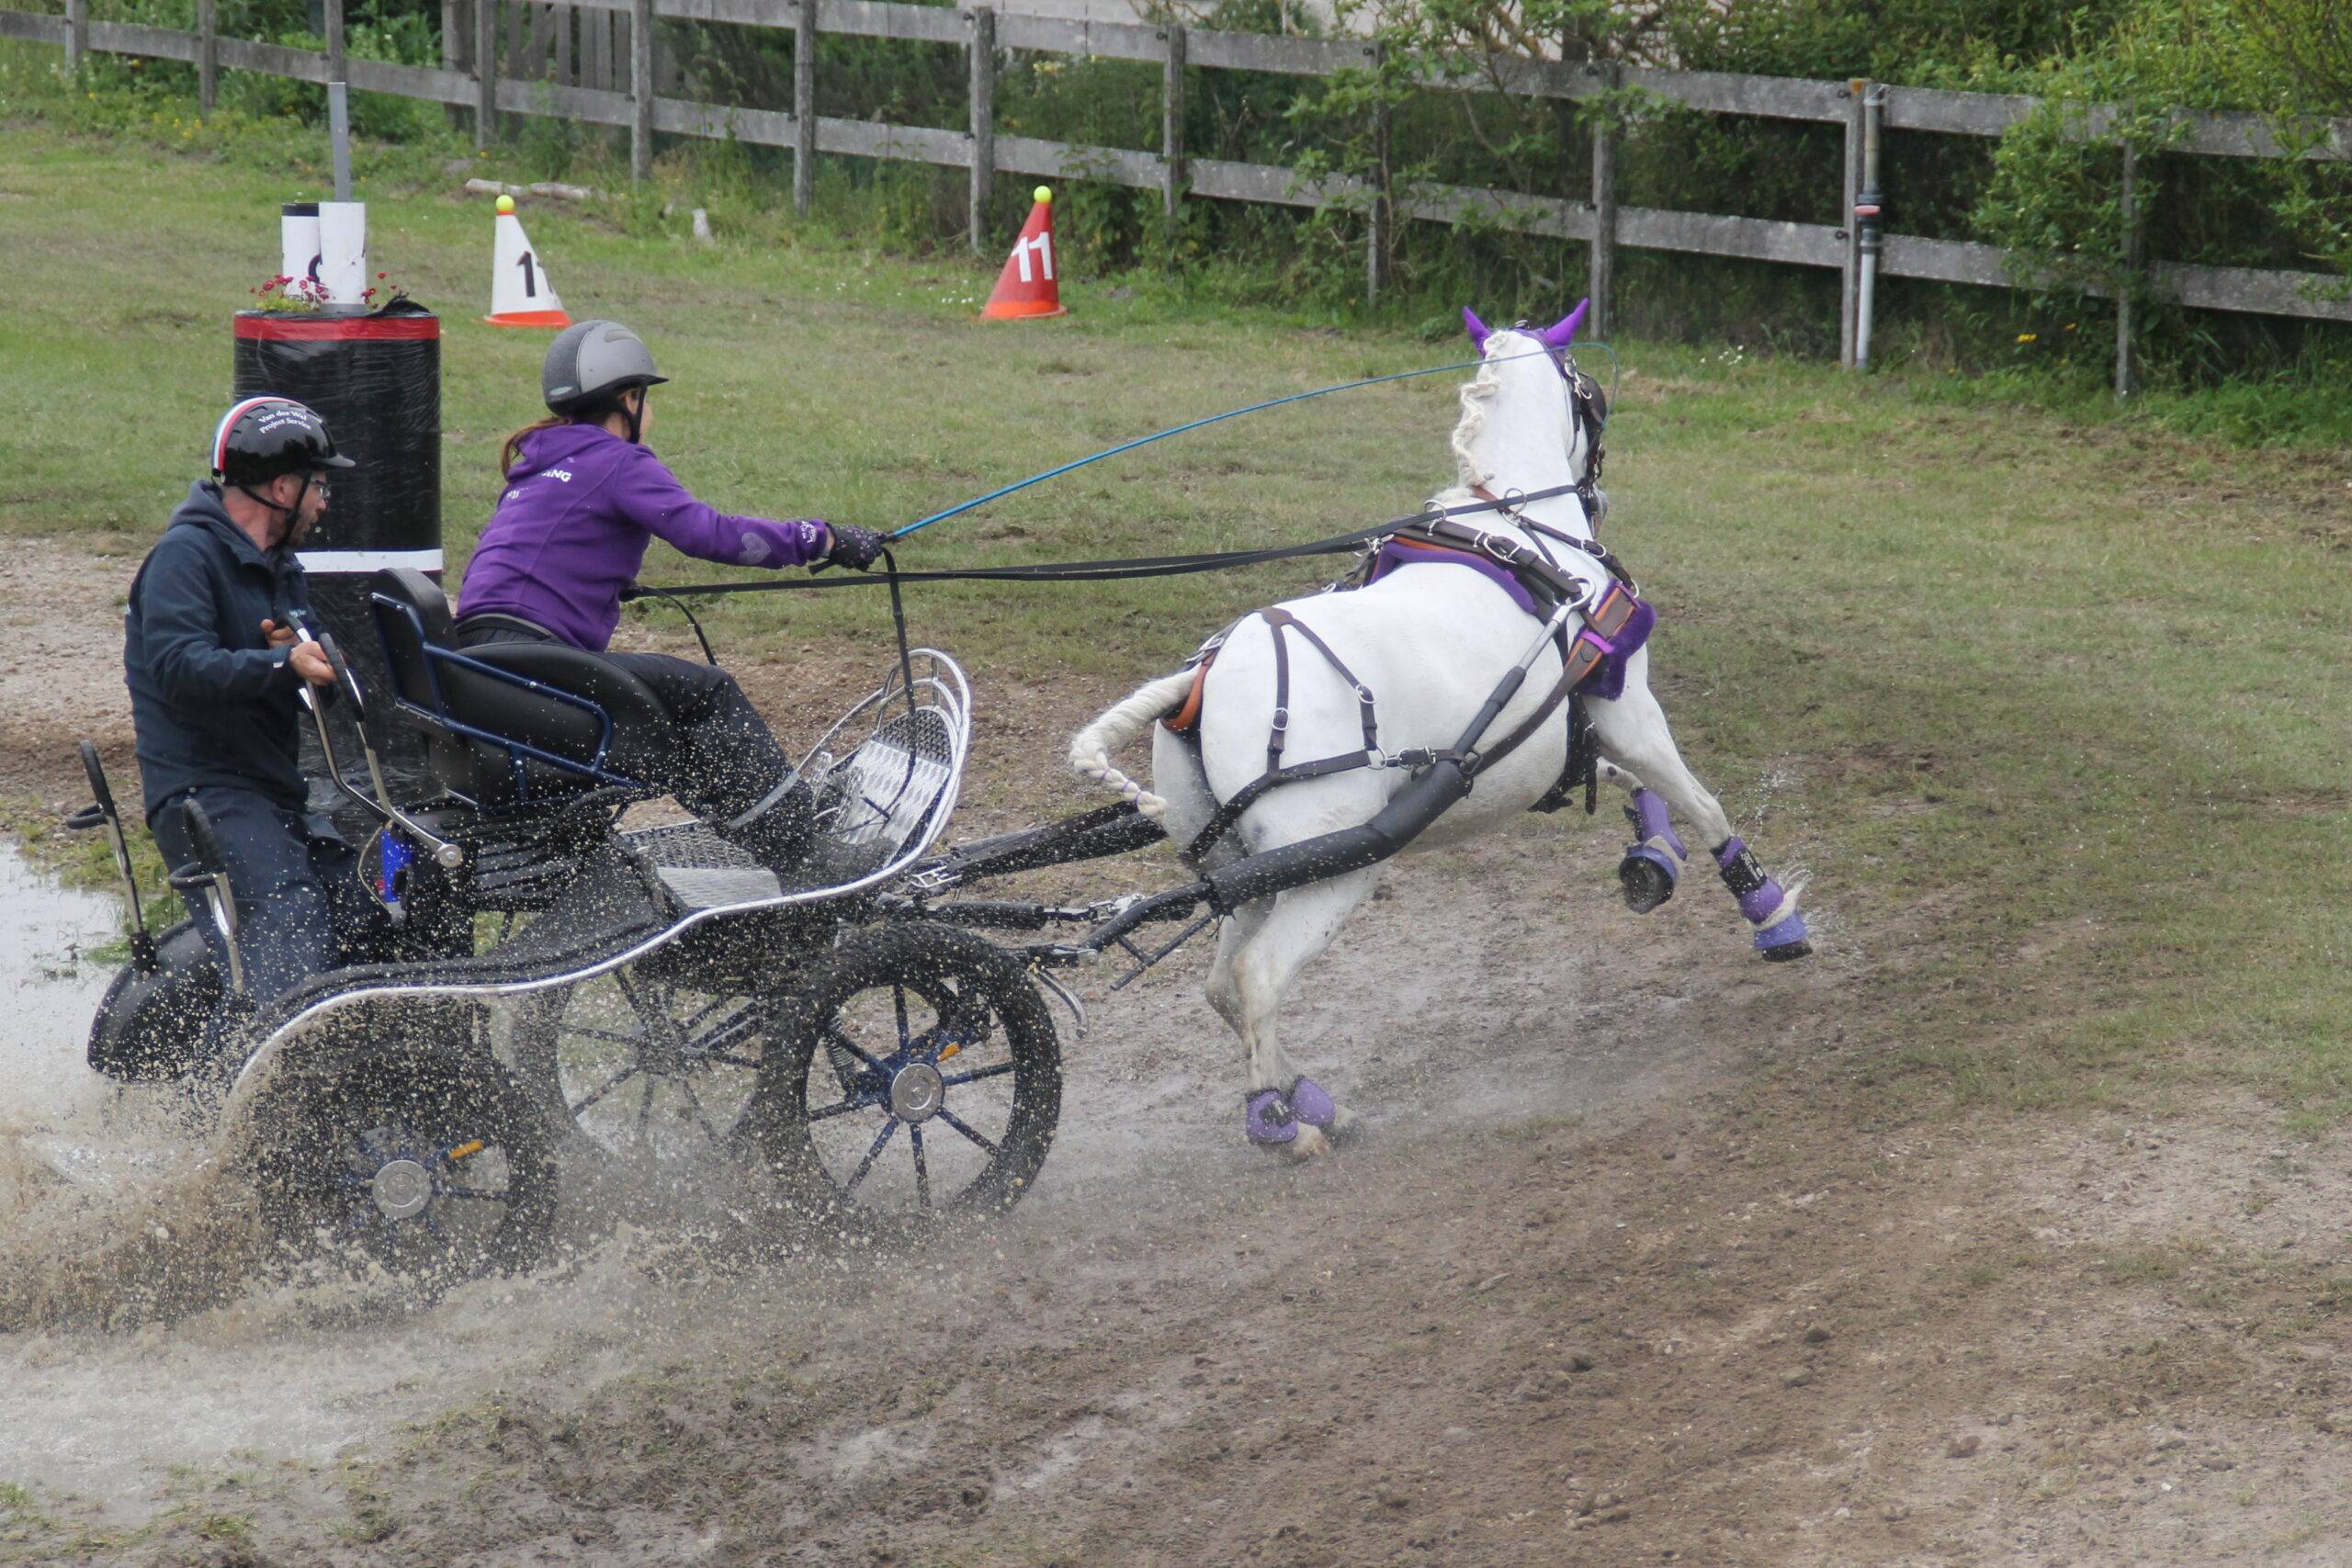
<point x="1430" y="641"/>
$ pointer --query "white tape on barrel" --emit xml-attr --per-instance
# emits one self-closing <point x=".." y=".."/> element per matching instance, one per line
<point x="355" y="561"/>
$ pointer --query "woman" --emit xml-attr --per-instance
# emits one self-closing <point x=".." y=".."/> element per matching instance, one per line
<point x="583" y="499"/>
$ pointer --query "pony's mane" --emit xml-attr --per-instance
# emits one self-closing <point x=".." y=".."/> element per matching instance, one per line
<point x="1477" y="393"/>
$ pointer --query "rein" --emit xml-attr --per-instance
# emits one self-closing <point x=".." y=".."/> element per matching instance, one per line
<point x="1106" y="571"/>
<point x="1196" y="424"/>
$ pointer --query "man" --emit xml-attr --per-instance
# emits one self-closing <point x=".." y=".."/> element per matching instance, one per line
<point x="210" y="655"/>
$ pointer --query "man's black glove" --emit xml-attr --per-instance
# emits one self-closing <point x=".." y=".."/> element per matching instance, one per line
<point x="853" y="547"/>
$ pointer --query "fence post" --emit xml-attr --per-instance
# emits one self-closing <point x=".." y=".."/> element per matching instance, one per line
<point x="1171" y="123"/>
<point x="640" y="89"/>
<point x="208" y="55"/>
<point x="1375" y="254"/>
<point x="983" y="23"/>
<point x="77" y="34"/>
<point x="335" y="42"/>
<point x="2126" y="370"/>
<point x="485" y="72"/>
<point x="804" y="107"/>
<point x="1850" y="289"/>
<point x="1602" y="284"/>
<point x="561" y="62"/>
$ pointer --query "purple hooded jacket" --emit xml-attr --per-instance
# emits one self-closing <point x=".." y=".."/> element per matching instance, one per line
<point x="570" y="531"/>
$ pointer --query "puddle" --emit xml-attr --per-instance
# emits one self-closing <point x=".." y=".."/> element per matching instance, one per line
<point x="49" y="987"/>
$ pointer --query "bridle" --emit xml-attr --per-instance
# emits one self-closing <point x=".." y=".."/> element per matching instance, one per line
<point x="1588" y="404"/>
<point x="1588" y="410"/>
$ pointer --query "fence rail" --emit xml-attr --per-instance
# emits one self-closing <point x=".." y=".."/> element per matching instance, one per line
<point x="615" y="74"/>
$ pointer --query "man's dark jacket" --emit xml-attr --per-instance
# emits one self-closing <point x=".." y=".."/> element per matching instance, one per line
<point x="213" y="703"/>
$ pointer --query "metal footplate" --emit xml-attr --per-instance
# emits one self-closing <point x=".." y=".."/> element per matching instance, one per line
<point x="699" y="870"/>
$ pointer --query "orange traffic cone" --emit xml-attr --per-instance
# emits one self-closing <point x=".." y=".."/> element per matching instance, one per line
<point x="520" y="294"/>
<point x="1027" y="285"/>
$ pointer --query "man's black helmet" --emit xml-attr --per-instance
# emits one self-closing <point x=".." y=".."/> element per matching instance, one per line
<point x="263" y="437"/>
<point x="592" y="362"/>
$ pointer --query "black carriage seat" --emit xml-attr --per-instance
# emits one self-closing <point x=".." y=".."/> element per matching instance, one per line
<point x="517" y="722"/>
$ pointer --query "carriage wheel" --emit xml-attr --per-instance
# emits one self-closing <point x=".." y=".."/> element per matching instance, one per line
<point x="912" y="1077"/>
<point x="436" y="1169"/>
<point x="647" y="1070"/>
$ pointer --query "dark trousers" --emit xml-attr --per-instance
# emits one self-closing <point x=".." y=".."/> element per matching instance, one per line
<point x="301" y="909"/>
<point x="723" y="759"/>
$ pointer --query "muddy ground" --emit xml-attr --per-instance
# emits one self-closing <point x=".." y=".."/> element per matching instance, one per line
<point x="1640" y="1264"/>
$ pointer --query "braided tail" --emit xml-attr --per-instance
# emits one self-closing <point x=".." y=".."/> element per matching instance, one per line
<point x="1090" y="749"/>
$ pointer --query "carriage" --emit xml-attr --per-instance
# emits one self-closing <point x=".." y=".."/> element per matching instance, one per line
<point x="669" y="1002"/>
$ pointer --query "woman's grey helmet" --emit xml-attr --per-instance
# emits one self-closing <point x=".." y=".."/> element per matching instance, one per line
<point x="592" y="362"/>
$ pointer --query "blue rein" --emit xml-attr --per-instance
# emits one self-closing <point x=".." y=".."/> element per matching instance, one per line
<point x="1196" y="425"/>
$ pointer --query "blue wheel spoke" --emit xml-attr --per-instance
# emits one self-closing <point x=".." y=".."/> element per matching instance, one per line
<point x="834" y="1036"/>
<point x="958" y="1123"/>
<point x="694" y="1103"/>
<point x="979" y="1073"/>
<point x="922" y="1172"/>
<point x="726" y="1037"/>
<point x="610" y="1084"/>
<point x="899" y="998"/>
<point x="616" y="1038"/>
<point x="732" y="1061"/>
<point x="866" y="1164"/>
<point x="847" y="1105"/>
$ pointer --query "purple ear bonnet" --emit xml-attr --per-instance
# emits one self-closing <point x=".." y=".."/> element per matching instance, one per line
<point x="1477" y="329"/>
<point x="1564" y="332"/>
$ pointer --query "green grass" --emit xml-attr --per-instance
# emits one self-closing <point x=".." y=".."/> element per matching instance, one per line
<point x="2049" y="707"/>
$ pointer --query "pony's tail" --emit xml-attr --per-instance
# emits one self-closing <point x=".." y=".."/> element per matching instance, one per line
<point x="1090" y="749"/>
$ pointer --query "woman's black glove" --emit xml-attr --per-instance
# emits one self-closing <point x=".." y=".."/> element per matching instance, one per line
<point x="853" y="547"/>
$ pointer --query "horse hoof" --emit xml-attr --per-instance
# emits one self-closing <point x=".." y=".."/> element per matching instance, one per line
<point x="1645" y="879"/>
<point x="1787" y="940"/>
<point x="1309" y="1144"/>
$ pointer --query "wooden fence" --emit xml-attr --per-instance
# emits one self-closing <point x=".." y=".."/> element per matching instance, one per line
<point x="598" y="61"/>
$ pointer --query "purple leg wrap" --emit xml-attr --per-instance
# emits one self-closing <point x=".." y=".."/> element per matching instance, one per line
<point x="1760" y="896"/>
<point x="1651" y="821"/>
<point x="1311" y="1105"/>
<point x="1759" y="903"/>
<point x="1267" y="1117"/>
<point x="1658" y="847"/>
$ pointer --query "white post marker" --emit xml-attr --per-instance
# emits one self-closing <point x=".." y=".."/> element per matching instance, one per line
<point x="298" y="242"/>
<point x="520" y="294"/>
<point x="343" y="251"/>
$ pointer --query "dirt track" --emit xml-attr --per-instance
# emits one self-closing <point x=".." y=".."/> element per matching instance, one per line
<point x="1635" y="1267"/>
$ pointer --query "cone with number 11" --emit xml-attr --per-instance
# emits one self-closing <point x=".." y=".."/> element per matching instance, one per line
<point x="1027" y="285"/>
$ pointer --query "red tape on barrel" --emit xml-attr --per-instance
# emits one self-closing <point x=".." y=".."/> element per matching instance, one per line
<point x="289" y="328"/>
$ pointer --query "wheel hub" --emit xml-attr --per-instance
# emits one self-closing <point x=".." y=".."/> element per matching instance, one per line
<point x="403" y="1188"/>
<point x="917" y="1091"/>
